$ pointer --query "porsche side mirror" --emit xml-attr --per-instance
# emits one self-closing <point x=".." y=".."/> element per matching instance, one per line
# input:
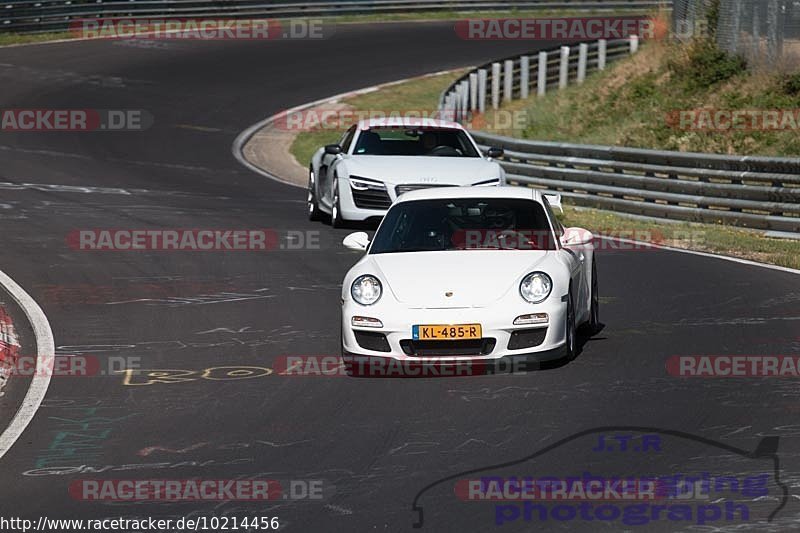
<point x="357" y="241"/>
<point x="576" y="237"/>
<point x="333" y="149"/>
<point x="495" y="153"/>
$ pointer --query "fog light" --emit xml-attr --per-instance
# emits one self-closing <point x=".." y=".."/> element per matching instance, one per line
<point x="366" y="322"/>
<point x="535" y="318"/>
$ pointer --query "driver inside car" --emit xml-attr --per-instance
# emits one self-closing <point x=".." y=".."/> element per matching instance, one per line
<point x="429" y="142"/>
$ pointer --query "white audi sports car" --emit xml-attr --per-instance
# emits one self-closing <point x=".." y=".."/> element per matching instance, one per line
<point x="470" y="274"/>
<point x="378" y="160"/>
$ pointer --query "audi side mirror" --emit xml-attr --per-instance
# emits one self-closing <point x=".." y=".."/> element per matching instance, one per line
<point x="495" y="153"/>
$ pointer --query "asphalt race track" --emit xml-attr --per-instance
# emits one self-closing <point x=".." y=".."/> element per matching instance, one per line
<point x="373" y="443"/>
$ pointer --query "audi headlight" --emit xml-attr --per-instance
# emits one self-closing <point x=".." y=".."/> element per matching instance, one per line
<point x="536" y="287"/>
<point x="363" y="184"/>
<point x="366" y="290"/>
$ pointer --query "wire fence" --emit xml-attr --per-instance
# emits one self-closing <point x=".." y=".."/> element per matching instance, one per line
<point x="765" y="32"/>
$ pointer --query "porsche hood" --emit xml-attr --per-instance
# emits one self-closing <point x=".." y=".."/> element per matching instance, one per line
<point x="423" y="279"/>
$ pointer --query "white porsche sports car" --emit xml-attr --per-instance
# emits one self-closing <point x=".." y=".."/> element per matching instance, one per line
<point x="378" y="160"/>
<point x="470" y="274"/>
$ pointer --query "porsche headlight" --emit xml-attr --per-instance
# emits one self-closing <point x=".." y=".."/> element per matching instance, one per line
<point x="366" y="290"/>
<point x="536" y="287"/>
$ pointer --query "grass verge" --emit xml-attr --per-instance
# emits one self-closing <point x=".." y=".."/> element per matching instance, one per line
<point x="638" y="101"/>
<point x="7" y="39"/>
<point x="725" y="240"/>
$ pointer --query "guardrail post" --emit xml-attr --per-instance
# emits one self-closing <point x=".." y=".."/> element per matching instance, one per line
<point x="634" y="43"/>
<point x="602" y="45"/>
<point x="508" y="80"/>
<point x="495" y="85"/>
<point x="464" y="112"/>
<point x="583" y="54"/>
<point x="473" y="91"/>
<point x="456" y="101"/>
<point x="482" y="75"/>
<point x="541" y="84"/>
<point x="563" y="70"/>
<point x="524" y="76"/>
<point x="447" y="112"/>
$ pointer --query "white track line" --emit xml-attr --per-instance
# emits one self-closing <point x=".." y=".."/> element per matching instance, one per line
<point x="45" y="347"/>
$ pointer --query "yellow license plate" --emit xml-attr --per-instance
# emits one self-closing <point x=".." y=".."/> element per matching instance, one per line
<point x="446" y="333"/>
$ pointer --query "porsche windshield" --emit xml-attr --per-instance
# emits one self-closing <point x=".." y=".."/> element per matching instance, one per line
<point x="419" y="141"/>
<point x="464" y="224"/>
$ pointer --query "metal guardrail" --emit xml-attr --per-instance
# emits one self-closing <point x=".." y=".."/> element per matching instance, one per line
<point x="36" y="16"/>
<point x="457" y="102"/>
<point x="755" y="192"/>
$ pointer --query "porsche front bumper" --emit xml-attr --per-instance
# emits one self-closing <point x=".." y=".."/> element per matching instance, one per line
<point x="500" y="339"/>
